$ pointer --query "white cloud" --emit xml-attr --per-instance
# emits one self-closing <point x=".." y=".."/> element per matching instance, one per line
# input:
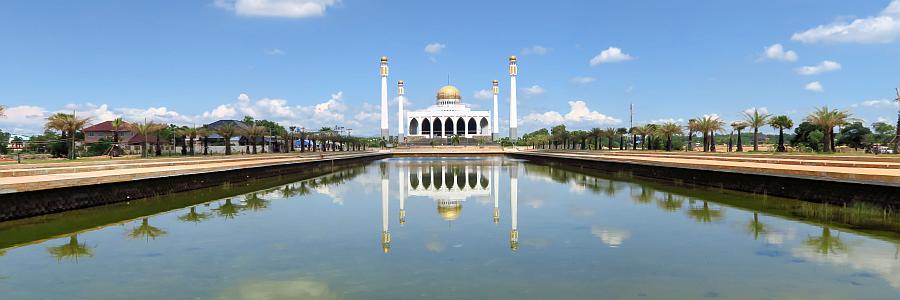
<point x="274" y="51"/>
<point x="579" y="114"/>
<point x="535" y="50"/>
<point x="762" y="110"/>
<point x="822" y="67"/>
<point x="883" y="28"/>
<point x="879" y="103"/>
<point x="277" y="8"/>
<point x="533" y="90"/>
<point x="24" y="119"/>
<point x="666" y="120"/>
<point x="369" y="113"/>
<point x="814" y="86"/>
<point x="434" y="48"/>
<point x="610" y="55"/>
<point x="483" y="94"/>
<point x="777" y="52"/>
<point x="583" y="79"/>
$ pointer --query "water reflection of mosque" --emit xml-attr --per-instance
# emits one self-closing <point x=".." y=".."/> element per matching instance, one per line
<point x="449" y="183"/>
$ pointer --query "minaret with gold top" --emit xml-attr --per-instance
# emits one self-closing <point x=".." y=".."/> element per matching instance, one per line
<point x="495" y="122"/>
<point x="404" y="177"/>
<point x="400" y="92"/>
<point x="514" y="207"/>
<point x="513" y="121"/>
<point x="384" y="98"/>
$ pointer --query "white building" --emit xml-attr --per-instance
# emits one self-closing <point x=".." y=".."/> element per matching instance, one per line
<point x="449" y="117"/>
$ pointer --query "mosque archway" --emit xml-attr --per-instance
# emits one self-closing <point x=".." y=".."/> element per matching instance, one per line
<point x="414" y="126"/>
<point x="460" y="126"/>
<point x="484" y="128"/>
<point x="448" y="126"/>
<point x="438" y="127"/>
<point x="426" y="127"/>
<point x="472" y="126"/>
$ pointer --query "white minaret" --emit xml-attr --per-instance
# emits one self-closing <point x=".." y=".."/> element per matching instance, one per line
<point x="400" y="92"/>
<point x="513" y="122"/>
<point x="495" y="123"/>
<point x="496" y="182"/>
<point x="385" y="234"/>
<point x="514" y="207"/>
<point x="384" y="99"/>
<point x="403" y="183"/>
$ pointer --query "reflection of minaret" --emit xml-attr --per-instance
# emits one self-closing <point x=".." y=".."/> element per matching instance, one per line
<point x="513" y="122"/>
<point x="514" y="207"/>
<point x="385" y="234"/>
<point x="400" y="92"/>
<point x="384" y="102"/>
<point x="496" y="181"/>
<point x="402" y="187"/>
<point x="495" y="122"/>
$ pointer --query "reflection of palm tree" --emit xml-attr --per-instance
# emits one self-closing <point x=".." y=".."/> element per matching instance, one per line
<point x="704" y="214"/>
<point x="254" y="202"/>
<point x="644" y="197"/>
<point x="146" y="231"/>
<point x="72" y="249"/>
<point x="194" y="216"/>
<point x="227" y="210"/>
<point x="827" y="244"/>
<point x="670" y="203"/>
<point x="755" y="227"/>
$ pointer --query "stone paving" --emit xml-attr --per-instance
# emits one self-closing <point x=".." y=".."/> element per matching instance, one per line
<point x="835" y="169"/>
<point x="55" y="176"/>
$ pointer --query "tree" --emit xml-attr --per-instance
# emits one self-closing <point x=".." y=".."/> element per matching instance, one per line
<point x="145" y="129"/>
<point x="227" y="131"/>
<point x="854" y="135"/>
<point x="827" y="119"/>
<point x="203" y="133"/>
<point x="73" y="249"/>
<point x="597" y="134"/>
<point x="709" y="125"/>
<point x="692" y="127"/>
<point x="68" y="124"/>
<point x="621" y="132"/>
<point x="559" y="134"/>
<point x="649" y="133"/>
<point x="146" y="231"/>
<point x="884" y="132"/>
<point x="610" y="134"/>
<point x="669" y="129"/>
<point x="190" y="133"/>
<point x="756" y="120"/>
<point x="254" y="133"/>
<point x="116" y="124"/>
<point x="638" y="131"/>
<point x="781" y="123"/>
<point x="739" y="126"/>
<point x="827" y="243"/>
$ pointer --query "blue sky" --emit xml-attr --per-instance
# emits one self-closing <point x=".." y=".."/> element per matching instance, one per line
<point x="314" y="63"/>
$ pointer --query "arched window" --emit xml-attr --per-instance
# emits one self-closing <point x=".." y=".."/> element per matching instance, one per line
<point x="426" y="127"/>
<point x="438" y="127"/>
<point x="448" y="126"/>
<point x="483" y="127"/>
<point x="473" y="129"/>
<point x="414" y="126"/>
<point x="460" y="126"/>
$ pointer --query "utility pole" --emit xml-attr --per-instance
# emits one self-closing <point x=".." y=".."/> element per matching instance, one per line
<point x="897" y="135"/>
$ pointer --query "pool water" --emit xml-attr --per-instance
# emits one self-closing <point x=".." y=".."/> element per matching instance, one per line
<point x="455" y="228"/>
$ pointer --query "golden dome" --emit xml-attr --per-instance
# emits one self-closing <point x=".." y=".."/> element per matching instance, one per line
<point x="448" y="92"/>
<point x="450" y="212"/>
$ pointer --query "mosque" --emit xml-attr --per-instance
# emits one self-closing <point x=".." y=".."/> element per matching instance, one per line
<point x="448" y="116"/>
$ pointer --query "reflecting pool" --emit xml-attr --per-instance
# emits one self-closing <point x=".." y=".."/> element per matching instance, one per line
<point x="455" y="228"/>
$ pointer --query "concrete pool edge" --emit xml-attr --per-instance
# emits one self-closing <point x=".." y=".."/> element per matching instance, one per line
<point x="811" y="189"/>
<point x="26" y="204"/>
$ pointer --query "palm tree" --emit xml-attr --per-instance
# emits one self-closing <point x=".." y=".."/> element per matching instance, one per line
<point x="827" y="119"/>
<point x="621" y="132"/>
<point x="650" y="131"/>
<point x="610" y="134"/>
<point x="68" y="124"/>
<point x="189" y="134"/>
<point x="670" y="203"/>
<point x="781" y="122"/>
<point x="144" y="129"/>
<point x="227" y="131"/>
<point x="756" y="120"/>
<point x="146" y="231"/>
<point x="738" y="126"/>
<point x="252" y="133"/>
<point x="826" y="244"/>
<point x="597" y="134"/>
<point x="669" y="129"/>
<point x="73" y="249"/>
<point x="692" y="127"/>
<point x="638" y="131"/>
<point x="194" y="216"/>
<point x="116" y="124"/>
<point x="704" y="214"/>
<point x="709" y="125"/>
<point x="755" y="227"/>
<point x="203" y="133"/>
<point x="634" y="134"/>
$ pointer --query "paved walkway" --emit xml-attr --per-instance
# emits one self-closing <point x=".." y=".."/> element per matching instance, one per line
<point x="881" y="173"/>
<point x="137" y="170"/>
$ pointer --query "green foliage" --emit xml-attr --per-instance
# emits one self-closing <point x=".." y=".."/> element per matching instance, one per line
<point x="4" y="142"/>
<point x="853" y="135"/>
<point x="802" y="138"/>
<point x="98" y="148"/>
<point x="884" y="133"/>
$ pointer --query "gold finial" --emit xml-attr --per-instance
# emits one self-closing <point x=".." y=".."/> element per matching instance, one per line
<point x="512" y="58"/>
<point x="495" y="82"/>
<point x="384" y="59"/>
<point x="400" y="83"/>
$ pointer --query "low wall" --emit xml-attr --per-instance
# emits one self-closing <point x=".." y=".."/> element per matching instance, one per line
<point x="34" y="203"/>
<point x="807" y="189"/>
